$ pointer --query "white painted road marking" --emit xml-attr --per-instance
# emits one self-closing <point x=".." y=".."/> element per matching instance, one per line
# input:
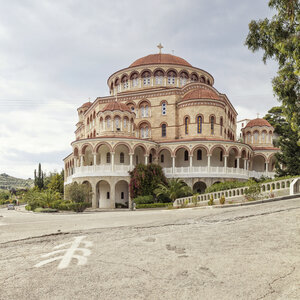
<point x="69" y="253"/>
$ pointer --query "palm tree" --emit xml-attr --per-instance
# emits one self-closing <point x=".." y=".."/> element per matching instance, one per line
<point x="174" y="189"/>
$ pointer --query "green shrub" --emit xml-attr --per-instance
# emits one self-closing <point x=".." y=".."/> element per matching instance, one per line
<point x="144" y="199"/>
<point x="28" y="207"/>
<point x="45" y="210"/>
<point x="79" y="206"/>
<point x="222" y="186"/>
<point x="78" y="192"/>
<point x="152" y="205"/>
<point x="222" y="200"/>
<point x="253" y="191"/>
<point x="211" y="200"/>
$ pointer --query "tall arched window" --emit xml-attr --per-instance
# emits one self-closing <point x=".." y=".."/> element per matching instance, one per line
<point x="212" y="124"/>
<point x="199" y="124"/>
<point x="108" y="158"/>
<point x="186" y="155"/>
<point x="117" y="123"/>
<point x="199" y="154"/>
<point x="186" y="125"/>
<point x="135" y="80"/>
<point x="144" y="131"/>
<point x="221" y="126"/>
<point x="122" y="158"/>
<point x="164" y="108"/>
<point x="171" y="77"/>
<point x="125" y="83"/>
<point x="108" y="123"/>
<point x="256" y="137"/>
<point x="163" y="130"/>
<point x="144" y="109"/>
<point x="194" y="77"/>
<point x="183" y="78"/>
<point x="146" y="78"/>
<point x="159" y="77"/>
<point x="263" y="137"/>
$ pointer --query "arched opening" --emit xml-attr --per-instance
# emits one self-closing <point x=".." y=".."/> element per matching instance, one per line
<point x="271" y="166"/>
<point x="122" y="155"/>
<point x="217" y="157"/>
<point x="87" y="152"/>
<point x="102" y="154"/>
<point x="144" y="130"/>
<point x="146" y="77"/>
<point x="199" y="187"/>
<point x="259" y="163"/>
<point x="200" y="157"/>
<point x="121" y="194"/>
<point x="165" y="159"/>
<point x="88" y="184"/>
<point x="232" y="158"/>
<point x="182" y="158"/>
<point x="139" y="155"/>
<point x="103" y="195"/>
<point x="159" y="77"/>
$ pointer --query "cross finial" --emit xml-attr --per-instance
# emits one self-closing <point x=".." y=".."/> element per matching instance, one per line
<point x="257" y="115"/>
<point x="160" y="46"/>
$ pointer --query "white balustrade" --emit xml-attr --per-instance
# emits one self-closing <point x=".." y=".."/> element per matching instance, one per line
<point x="102" y="170"/>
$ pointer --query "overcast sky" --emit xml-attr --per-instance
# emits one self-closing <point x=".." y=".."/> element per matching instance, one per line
<point x="56" y="54"/>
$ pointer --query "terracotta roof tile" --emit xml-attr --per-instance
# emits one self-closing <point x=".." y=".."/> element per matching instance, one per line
<point x="86" y="104"/>
<point x="116" y="106"/>
<point x="160" y="58"/>
<point x="201" y="94"/>
<point x="258" y="122"/>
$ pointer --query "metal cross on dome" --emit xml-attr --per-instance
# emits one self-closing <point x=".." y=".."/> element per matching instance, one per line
<point x="160" y="46"/>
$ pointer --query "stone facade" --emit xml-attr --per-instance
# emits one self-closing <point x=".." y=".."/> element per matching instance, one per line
<point x="163" y="110"/>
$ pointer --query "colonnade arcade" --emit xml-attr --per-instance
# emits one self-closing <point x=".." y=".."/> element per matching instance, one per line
<point x="125" y="156"/>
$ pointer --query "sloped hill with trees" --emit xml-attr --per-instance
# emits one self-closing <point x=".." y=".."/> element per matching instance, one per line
<point x="8" y="182"/>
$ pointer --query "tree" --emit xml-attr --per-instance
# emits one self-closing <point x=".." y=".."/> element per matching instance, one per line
<point x="56" y="183"/>
<point x="144" y="179"/>
<point x="288" y="160"/>
<point x="77" y="192"/>
<point x="175" y="188"/>
<point x="279" y="38"/>
<point x="39" y="179"/>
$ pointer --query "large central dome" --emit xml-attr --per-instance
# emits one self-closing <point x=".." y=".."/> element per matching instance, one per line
<point x="160" y="58"/>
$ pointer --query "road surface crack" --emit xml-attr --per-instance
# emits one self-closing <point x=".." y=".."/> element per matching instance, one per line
<point x="271" y="289"/>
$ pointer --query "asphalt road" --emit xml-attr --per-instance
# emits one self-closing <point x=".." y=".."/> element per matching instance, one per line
<point x="250" y="252"/>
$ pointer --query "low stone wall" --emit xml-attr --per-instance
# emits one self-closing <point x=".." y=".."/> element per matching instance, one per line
<point x="268" y="190"/>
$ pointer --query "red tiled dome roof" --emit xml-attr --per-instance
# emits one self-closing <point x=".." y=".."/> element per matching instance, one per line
<point x="201" y="94"/>
<point x="86" y="104"/>
<point x="116" y="106"/>
<point x="258" y="122"/>
<point x="160" y="58"/>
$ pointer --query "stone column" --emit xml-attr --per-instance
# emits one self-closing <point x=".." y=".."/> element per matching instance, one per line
<point x="94" y="196"/>
<point x="245" y="164"/>
<point x="225" y="161"/>
<point x="237" y="162"/>
<point x="95" y="159"/>
<point x="267" y="167"/>
<point x="112" y="196"/>
<point x="173" y="164"/>
<point x="191" y="161"/>
<point x="146" y="159"/>
<point x="81" y="161"/>
<point x="112" y="161"/>
<point x="131" y="160"/>
<point x="208" y="161"/>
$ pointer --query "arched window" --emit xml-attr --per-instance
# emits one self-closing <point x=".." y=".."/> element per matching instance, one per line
<point x="108" y="158"/>
<point x="212" y="124"/>
<point x="199" y="124"/>
<point x="248" y="137"/>
<point x="256" y="137"/>
<point x="117" y="122"/>
<point x="164" y="108"/>
<point x="107" y="195"/>
<point x="163" y="130"/>
<point x="122" y="158"/>
<point x="125" y="83"/>
<point x="194" y="78"/>
<point x="186" y="125"/>
<point x="183" y="78"/>
<point x="144" y="108"/>
<point x="221" y="126"/>
<point x="171" y="77"/>
<point x="108" y="123"/>
<point x="162" y="158"/>
<point x="125" y="123"/>
<point x="199" y="154"/>
<point x="146" y="111"/>
<point x="135" y="80"/>
<point x="186" y="155"/>
<point x="144" y="131"/>
<point x="263" y="137"/>
<point x="146" y="78"/>
<point x="122" y="195"/>
<point x="159" y="77"/>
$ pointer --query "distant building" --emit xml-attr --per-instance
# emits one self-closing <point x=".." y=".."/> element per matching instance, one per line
<point x="163" y="110"/>
<point x="239" y="126"/>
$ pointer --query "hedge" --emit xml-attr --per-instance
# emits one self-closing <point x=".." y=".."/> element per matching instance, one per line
<point x="152" y="205"/>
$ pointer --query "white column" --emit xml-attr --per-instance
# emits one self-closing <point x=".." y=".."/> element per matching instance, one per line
<point x="237" y="162"/>
<point x="81" y="160"/>
<point x="94" y="197"/>
<point x="191" y="161"/>
<point x="225" y="162"/>
<point x="95" y="159"/>
<point x="267" y="167"/>
<point x="208" y="161"/>
<point x="112" y="161"/>
<point x="146" y="159"/>
<point x="245" y="163"/>
<point x="173" y="164"/>
<point x="131" y="161"/>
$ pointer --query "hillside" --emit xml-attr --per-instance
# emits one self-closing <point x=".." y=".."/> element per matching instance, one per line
<point x="8" y="182"/>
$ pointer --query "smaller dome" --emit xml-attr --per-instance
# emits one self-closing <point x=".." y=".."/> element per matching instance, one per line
<point x="86" y="104"/>
<point x="160" y="58"/>
<point x="116" y="106"/>
<point x="258" y="122"/>
<point x="201" y="94"/>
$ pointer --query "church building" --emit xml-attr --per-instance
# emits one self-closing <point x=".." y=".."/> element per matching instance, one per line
<point x="163" y="110"/>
